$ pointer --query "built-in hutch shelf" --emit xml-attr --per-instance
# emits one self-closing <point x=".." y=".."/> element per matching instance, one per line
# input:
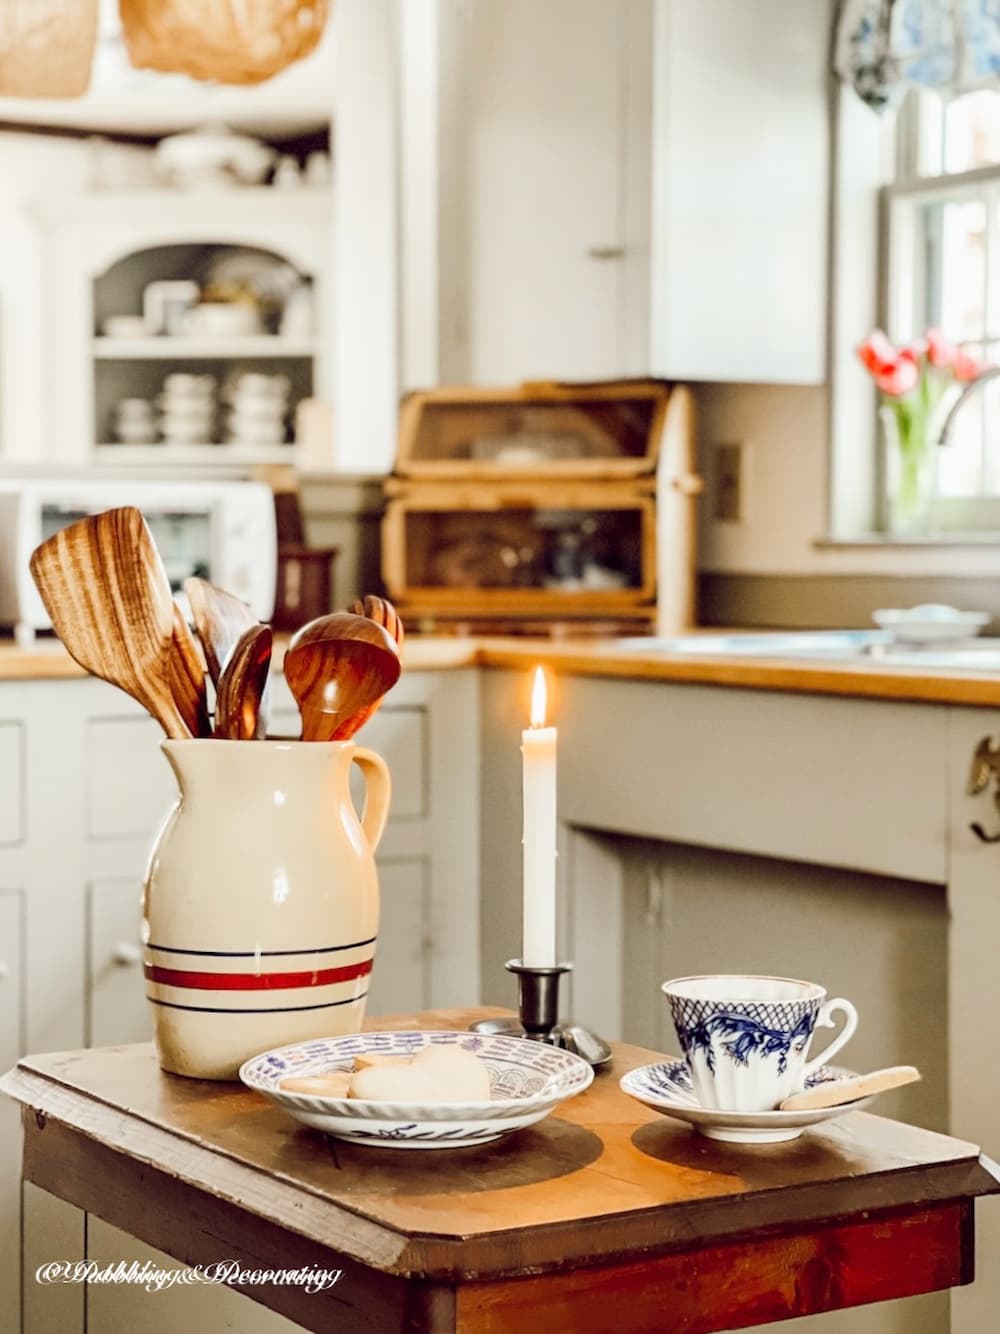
<point x="104" y="249"/>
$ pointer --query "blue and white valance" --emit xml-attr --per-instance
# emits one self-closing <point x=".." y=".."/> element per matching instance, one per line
<point x="881" y="47"/>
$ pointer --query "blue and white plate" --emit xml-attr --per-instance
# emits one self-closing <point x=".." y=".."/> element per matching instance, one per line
<point x="527" y="1080"/>
<point x="667" y="1088"/>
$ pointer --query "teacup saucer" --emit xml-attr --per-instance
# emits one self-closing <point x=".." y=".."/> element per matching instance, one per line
<point x="667" y="1088"/>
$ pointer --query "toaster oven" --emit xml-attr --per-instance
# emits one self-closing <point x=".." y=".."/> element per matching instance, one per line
<point x="222" y="531"/>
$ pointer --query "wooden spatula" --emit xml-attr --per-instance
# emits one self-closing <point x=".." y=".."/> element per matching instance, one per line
<point x="382" y="612"/>
<point x="241" y="698"/>
<point x="831" y="1093"/>
<point x="335" y="680"/>
<point x="220" y="619"/>
<point x="187" y="677"/>
<point x="105" y="589"/>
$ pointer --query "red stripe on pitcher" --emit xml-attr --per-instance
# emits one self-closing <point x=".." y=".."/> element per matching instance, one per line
<point x="319" y="977"/>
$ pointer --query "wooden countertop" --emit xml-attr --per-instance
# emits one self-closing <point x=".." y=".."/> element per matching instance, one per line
<point x="606" y="658"/>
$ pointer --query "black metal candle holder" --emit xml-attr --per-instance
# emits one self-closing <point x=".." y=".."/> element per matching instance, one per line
<point x="538" y="1013"/>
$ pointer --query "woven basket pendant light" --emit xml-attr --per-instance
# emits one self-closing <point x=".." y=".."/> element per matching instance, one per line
<point x="226" y="41"/>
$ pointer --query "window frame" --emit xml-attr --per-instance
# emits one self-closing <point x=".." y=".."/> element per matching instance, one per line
<point x="917" y="181"/>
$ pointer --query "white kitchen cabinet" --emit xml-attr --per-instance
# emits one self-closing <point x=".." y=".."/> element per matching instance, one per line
<point x="116" y="1001"/>
<point x="741" y="136"/>
<point x="524" y="176"/>
<point x="11" y="1036"/>
<point x="83" y="790"/>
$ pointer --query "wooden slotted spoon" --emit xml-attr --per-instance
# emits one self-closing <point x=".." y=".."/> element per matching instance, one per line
<point x="106" y="592"/>
<point x="344" y="625"/>
<point x="241" y="697"/>
<point x="187" y="677"/>
<point x="220" y="619"/>
<point x="335" y="681"/>
<point x="382" y="612"/>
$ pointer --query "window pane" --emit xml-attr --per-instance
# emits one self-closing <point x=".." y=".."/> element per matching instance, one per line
<point x="970" y="464"/>
<point x="972" y="131"/>
<point x="956" y="268"/>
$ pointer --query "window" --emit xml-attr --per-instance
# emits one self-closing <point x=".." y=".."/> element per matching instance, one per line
<point x="943" y="270"/>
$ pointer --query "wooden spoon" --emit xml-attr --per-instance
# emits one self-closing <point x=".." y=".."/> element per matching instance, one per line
<point x="831" y="1093"/>
<point x="335" y="681"/>
<point x="383" y="612"/>
<point x="344" y="625"/>
<point x="187" y="677"/>
<point x="220" y="619"/>
<point x="105" y="589"/>
<point x="241" y="697"/>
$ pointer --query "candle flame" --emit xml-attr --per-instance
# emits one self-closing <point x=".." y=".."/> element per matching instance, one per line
<point x="538" y="699"/>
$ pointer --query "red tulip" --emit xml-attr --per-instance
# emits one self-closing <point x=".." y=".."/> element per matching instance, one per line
<point x="901" y="377"/>
<point x="940" y="352"/>
<point x="877" y="354"/>
<point x="966" y="366"/>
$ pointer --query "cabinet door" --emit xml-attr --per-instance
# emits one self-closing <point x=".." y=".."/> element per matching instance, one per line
<point x="543" y="112"/>
<point x="125" y="1308"/>
<point x="402" y="955"/>
<point x="117" y="1009"/>
<point x="740" y="160"/>
<point x="10" y="1113"/>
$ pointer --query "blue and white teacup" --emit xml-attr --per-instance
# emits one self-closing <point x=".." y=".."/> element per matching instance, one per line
<point x="745" y="1038"/>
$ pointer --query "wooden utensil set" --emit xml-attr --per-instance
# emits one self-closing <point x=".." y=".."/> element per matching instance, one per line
<point x="104" y="586"/>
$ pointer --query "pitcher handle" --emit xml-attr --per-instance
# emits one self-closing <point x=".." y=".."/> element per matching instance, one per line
<point x="824" y="1020"/>
<point x="378" y="790"/>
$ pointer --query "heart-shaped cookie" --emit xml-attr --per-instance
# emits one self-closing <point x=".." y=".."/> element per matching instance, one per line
<point x="438" y="1073"/>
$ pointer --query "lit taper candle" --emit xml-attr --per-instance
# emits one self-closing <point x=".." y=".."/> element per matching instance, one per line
<point x="538" y="748"/>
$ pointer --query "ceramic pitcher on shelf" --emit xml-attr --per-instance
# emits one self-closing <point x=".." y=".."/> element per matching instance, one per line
<point x="260" y="908"/>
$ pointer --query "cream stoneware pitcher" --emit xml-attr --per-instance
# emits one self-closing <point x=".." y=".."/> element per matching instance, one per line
<point x="261" y="900"/>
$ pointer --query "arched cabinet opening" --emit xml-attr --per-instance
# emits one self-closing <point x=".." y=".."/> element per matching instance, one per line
<point x="201" y="347"/>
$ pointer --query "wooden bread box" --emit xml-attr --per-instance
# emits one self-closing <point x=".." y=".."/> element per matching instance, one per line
<point x="535" y="508"/>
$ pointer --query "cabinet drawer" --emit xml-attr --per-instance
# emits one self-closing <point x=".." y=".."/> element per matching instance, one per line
<point x="11" y="783"/>
<point x="117" y="1010"/>
<point x="130" y="787"/>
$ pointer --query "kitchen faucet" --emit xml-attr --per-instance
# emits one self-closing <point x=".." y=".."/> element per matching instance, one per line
<point x="990" y="373"/>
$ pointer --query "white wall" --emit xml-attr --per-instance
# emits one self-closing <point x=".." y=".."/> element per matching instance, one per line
<point x="33" y="167"/>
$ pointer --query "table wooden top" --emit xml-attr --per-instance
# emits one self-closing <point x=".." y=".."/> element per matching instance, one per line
<point x="602" y="1177"/>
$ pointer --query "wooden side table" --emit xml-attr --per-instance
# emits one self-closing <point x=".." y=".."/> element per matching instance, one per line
<point x="603" y="1217"/>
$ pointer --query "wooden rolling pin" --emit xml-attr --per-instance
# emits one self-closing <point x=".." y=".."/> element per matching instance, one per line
<point x="836" y="1091"/>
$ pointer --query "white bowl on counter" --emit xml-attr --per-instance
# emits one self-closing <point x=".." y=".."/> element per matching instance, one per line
<point x="930" y="623"/>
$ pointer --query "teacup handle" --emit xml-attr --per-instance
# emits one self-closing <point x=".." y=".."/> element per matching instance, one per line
<point x="825" y="1020"/>
<point x="378" y="789"/>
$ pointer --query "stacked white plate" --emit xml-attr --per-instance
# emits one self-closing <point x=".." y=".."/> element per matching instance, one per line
<point x="187" y="409"/>
<point x="258" y="408"/>
<point x="134" y="423"/>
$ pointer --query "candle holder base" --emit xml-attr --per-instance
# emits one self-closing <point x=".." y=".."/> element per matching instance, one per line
<point x="538" y="1014"/>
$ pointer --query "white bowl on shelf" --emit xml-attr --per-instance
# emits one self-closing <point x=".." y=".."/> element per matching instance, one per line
<point x="125" y="326"/>
<point x="222" y="319"/>
<point x="930" y="623"/>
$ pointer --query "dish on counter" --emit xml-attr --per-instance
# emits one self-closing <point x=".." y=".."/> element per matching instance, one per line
<point x="666" y="1087"/>
<point x="930" y="623"/>
<point x="528" y="1079"/>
